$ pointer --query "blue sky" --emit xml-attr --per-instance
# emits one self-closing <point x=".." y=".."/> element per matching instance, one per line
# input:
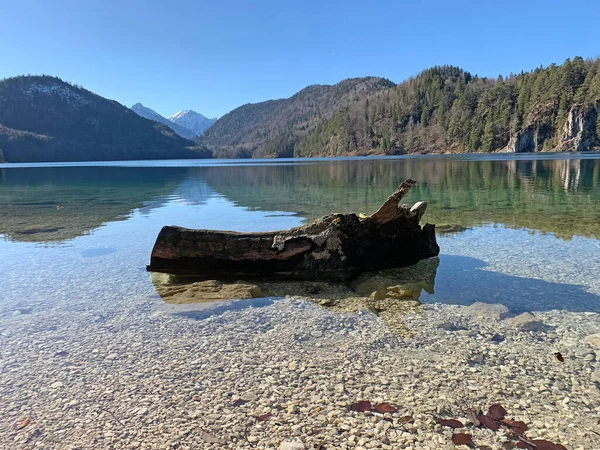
<point x="215" y="56"/>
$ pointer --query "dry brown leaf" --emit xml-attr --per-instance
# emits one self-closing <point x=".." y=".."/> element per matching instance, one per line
<point x="406" y="419"/>
<point x="462" y="439"/>
<point x="488" y="422"/>
<point x="362" y="406"/>
<point x="24" y="423"/>
<point x="384" y="408"/>
<point x="264" y="417"/>
<point x="452" y="423"/>
<point x="540" y="444"/>
<point x="497" y="412"/>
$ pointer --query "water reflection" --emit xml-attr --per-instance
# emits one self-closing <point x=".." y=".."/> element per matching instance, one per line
<point x="557" y="196"/>
<point x="60" y="203"/>
<point x="561" y="196"/>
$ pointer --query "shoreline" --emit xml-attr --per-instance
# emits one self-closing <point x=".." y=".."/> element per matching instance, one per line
<point x="133" y="162"/>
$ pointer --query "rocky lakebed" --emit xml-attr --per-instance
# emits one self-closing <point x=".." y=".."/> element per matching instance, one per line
<point x="296" y="366"/>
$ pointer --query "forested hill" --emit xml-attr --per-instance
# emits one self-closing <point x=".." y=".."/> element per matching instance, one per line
<point x="43" y="118"/>
<point x="274" y="128"/>
<point x="441" y="109"/>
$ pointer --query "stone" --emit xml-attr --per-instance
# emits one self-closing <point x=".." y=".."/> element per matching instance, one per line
<point x="495" y="311"/>
<point x="449" y="326"/>
<point x="173" y="291"/>
<point x="292" y="446"/>
<point x="528" y="322"/>
<point x="593" y="340"/>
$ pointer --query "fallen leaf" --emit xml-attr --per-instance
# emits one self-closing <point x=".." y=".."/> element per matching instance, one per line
<point x="362" y="406"/>
<point x="497" y="412"/>
<point x="559" y="356"/>
<point x="518" y="427"/>
<point x="452" y="423"/>
<point x="24" y="423"/>
<point x="540" y="444"/>
<point x="462" y="439"/>
<point x="264" y="417"/>
<point x="384" y="408"/>
<point x="240" y="402"/>
<point x="406" y="419"/>
<point x="488" y="422"/>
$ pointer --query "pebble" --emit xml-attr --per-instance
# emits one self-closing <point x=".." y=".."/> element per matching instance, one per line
<point x="254" y="377"/>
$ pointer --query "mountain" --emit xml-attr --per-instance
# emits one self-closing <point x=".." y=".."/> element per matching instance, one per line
<point x="153" y="115"/>
<point x="442" y="109"/>
<point x="273" y="128"/>
<point x="192" y="120"/>
<point x="447" y="109"/>
<point x="43" y="118"/>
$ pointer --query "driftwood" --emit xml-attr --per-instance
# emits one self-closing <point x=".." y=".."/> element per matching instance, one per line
<point x="336" y="247"/>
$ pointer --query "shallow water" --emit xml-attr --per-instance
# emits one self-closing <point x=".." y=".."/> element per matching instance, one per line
<point x="518" y="230"/>
<point x="527" y="228"/>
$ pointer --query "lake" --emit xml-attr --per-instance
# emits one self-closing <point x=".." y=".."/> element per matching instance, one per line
<point x="96" y="359"/>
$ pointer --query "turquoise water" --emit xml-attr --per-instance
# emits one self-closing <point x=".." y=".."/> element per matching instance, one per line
<point x="525" y="229"/>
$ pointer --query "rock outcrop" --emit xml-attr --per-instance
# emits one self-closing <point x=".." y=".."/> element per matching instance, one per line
<point x="577" y="134"/>
<point x="579" y="131"/>
<point x="530" y="139"/>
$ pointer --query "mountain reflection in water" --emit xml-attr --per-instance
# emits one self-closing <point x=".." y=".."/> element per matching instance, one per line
<point x="560" y="196"/>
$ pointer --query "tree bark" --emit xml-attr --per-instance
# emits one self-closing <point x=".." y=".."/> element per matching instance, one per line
<point x="336" y="247"/>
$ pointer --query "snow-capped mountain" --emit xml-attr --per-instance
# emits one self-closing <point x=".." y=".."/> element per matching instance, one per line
<point x="153" y="115"/>
<point x="192" y="120"/>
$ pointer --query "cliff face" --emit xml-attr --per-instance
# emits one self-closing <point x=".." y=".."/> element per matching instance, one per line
<point x="578" y="134"/>
<point x="530" y="139"/>
<point x="579" y="131"/>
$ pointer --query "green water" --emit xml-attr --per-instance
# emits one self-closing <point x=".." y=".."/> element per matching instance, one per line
<point x="521" y="231"/>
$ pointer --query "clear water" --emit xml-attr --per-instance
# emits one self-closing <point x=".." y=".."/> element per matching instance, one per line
<point x="524" y="229"/>
<point x="95" y="358"/>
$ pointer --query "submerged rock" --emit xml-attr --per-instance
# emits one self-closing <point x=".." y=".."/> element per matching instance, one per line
<point x="292" y="446"/>
<point x="173" y="291"/>
<point x="593" y="340"/>
<point x="495" y="311"/>
<point x="450" y="228"/>
<point x="449" y="326"/>
<point x="398" y="283"/>
<point x="528" y="322"/>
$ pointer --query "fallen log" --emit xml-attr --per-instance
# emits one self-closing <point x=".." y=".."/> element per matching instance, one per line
<point x="336" y="247"/>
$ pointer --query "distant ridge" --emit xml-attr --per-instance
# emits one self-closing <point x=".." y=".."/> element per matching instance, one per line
<point x="442" y="109"/>
<point x="43" y="118"/>
<point x="274" y="128"/>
